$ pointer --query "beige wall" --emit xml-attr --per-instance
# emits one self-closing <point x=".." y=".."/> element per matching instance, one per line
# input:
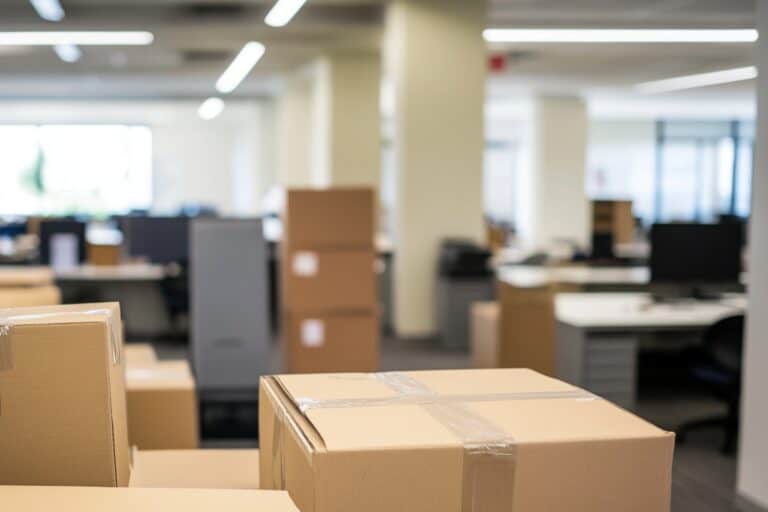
<point x="294" y="130"/>
<point x="436" y="60"/>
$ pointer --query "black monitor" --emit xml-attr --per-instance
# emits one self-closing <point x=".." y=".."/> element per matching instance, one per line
<point x="54" y="230"/>
<point x="696" y="253"/>
<point x="158" y="239"/>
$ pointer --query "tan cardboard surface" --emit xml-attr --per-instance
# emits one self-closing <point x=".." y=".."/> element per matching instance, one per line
<point x="484" y="332"/>
<point x="25" y="296"/>
<point x="90" y="499"/>
<point x="62" y="394"/>
<point x="162" y="406"/>
<point x="331" y="218"/>
<point x="405" y="444"/>
<point x="14" y="276"/>
<point x="329" y="279"/>
<point x="330" y="342"/>
<point x="139" y="354"/>
<point x="202" y="469"/>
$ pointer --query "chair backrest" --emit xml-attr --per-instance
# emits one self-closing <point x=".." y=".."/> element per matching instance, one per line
<point x="723" y="342"/>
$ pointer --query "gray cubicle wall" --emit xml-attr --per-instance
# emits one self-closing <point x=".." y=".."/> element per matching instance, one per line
<point x="228" y="286"/>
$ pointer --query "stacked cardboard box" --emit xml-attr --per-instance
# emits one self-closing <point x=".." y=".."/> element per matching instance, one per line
<point x="27" y="286"/>
<point x="62" y="385"/>
<point x="162" y="405"/>
<point x="196" y="469"/>
<point x="330" y="312"/>
<point x="91" y="499"/>
<point x="494" y="440"/>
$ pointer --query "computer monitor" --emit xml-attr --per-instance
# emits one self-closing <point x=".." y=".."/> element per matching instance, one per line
<point x="695" y="254"/>
<point x="158" y="239"/>
<point x="62" y="242"/>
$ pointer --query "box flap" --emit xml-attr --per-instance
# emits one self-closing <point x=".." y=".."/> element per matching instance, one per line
<point x="93" y="499"/>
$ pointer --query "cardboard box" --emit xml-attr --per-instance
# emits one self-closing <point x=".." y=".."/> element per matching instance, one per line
<point x="14" y="276"/>
<point x="24" y="296"/>
<point x="507" y="440"/>
<point x="201" y="469"/>
<point x="330" y="279"/>
<point x="139" y="354"/>
<point x="338" y="218"/>
<point x="162" y="406"/>
<point x="325" y="342"/>
<point x="93" y="499"/>
<point x="103" y="254"/>
<point x="484" y="339"/>
<point x="62" y="387"/>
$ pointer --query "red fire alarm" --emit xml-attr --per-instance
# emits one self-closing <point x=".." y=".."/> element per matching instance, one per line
<point x="497" y="63"/>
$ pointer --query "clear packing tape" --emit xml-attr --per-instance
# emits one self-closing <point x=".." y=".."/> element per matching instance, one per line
<point x="8" y="322"/>
<point x="490" y="453"/>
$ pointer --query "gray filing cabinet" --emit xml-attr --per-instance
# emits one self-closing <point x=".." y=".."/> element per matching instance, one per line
<point x="228" y="287"/>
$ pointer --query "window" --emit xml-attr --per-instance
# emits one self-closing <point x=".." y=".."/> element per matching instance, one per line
<point x="499" y="181"/>
<point x="74" y="169"/>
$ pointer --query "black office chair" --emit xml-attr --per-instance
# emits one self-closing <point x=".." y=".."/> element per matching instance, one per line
<point x="717" y="365"/>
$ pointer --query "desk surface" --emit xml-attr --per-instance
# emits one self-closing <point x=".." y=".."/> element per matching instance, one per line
<point x="531" y="277"/>
<point x="637" y="310"/>
<point x="126" y="272"/>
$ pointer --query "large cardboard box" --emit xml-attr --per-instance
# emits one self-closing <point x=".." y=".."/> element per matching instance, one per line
<point x="506" y="440"/>
<point x="325" y="342"/>
<point x="139" y="354"/>
<point x="162" y="406"/>
<point x="25" y="296"/>
<point x="200" y="469"/>
<point x="62" y="393"/>
<point x="338" y="218"/>
<point x="14" y="276"/>
<point x="104" y="254"/>
<point x="93" y="499"/>
<point x="484" y="339"/>
<point x="330" y="279"/>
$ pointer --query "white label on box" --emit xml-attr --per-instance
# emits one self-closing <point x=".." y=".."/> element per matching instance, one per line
<point x="312" y="333"/>
<point x="305" y="264"/>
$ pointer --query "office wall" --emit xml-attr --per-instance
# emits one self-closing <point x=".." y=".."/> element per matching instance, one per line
<point x="226" y="162"/>
<point x="753" y="453"/>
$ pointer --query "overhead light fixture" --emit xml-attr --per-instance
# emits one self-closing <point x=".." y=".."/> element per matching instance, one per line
<point x="569" y="35"/>
<point x="68" y="52"/>
<point x="86" y="38"/>
<point x="210" y="108"/>
<point x="680" y="83"/>
<point x="240" y="67"/>
<point x="49" y="10"/>
<point x="283" y="12"/>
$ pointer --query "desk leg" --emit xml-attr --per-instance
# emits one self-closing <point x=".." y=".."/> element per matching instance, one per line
<point x="603" y="363"/>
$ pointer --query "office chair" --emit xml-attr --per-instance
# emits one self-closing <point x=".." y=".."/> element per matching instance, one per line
<point x="717" y="365"/>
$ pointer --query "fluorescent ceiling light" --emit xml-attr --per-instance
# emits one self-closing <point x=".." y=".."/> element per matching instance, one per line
<point x="49" y="10"/>
<point x="210" y="108"/>
<point x="68" y="52"/>
<point x="500" y="35"/>
<point x="89" y="38"/>
<point x="240" y="67"/>
<point x="680" y="83"/>
<point x="283" y="12"/>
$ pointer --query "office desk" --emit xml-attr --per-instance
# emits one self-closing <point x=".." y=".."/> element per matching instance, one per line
<point x="137" y="287"/>
<point x="598" y="335"/>
<point x="578" y="277"/>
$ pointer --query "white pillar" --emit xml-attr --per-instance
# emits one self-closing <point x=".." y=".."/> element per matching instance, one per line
<point x="436" y="59"/>
<point x="294" y="130"/>
<point x="346" y="122"/>
<point x="551" y="200"/>
<point x="753" y="452"/>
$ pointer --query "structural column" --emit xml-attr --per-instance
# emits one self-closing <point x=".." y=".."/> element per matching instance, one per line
<point x="346" y="123"/>
<point x="436" y="60"/>
<point x="551" y="198"/>
<point x="753" y="453"/>
<point x="294" y="133"/>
